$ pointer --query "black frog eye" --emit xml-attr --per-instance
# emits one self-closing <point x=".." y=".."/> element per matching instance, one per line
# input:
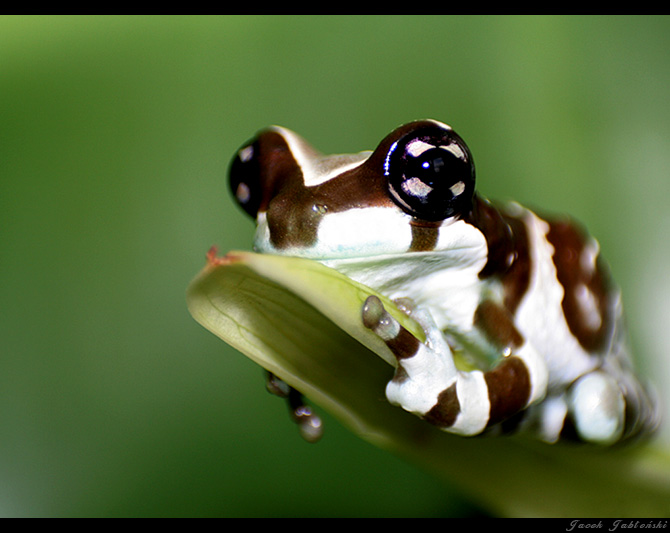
<point x="431" y="174"/>
<point x="245" y="178"/>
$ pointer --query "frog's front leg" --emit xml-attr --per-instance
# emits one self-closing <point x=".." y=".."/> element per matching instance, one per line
<point x="428" y="384"/>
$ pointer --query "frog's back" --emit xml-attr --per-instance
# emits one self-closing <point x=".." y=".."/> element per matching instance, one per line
<point x="564" y="301"/>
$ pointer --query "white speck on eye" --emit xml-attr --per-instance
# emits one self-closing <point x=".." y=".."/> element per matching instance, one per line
<point x="416" y="148"/>
<point x="417" y="188"/>
<point x="242" y="193"/>
<point x="457" y="188"/>
<point x="454" y="149"/>
<point x="246" y="153"/>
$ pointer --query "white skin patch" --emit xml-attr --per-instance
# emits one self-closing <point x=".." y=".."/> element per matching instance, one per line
<point x="340" y="235"/>
<point x="588" y="302"/>
<point x="537" y="370"/>
<point x="589" y="257"/>
<point x="552" y="417"/>
<point x="430" y="376"/>
<point x="474" y="401"/>
<point x="428" y="372"/>
<point x="540" y="317"/>
<point x="362" y="233"/>
<point x="444" y="281"/>
<point x="317" y="168"/>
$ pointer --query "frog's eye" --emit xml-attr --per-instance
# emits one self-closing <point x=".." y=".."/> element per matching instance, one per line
<point x="245" y="178"/>
<point x="431" y="174"/>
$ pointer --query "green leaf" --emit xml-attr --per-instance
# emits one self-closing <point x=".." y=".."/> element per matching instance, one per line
<point x="301" y="321"/>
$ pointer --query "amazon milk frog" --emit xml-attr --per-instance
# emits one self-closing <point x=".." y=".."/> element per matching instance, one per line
<point x="525" y="299"/>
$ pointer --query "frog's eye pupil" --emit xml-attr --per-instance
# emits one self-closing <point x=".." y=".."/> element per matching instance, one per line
<point x="431" y="173"/>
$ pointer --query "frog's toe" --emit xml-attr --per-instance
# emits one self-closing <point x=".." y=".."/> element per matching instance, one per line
<point x="376" y="318"/>
<point x="398" y="339"/>
<point x="406" y="305"/>
<point x="597" y="406"/>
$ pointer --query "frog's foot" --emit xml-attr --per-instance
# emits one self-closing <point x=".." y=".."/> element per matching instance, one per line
<point x="596" y="405"/>
<point x="428" y="384"/>
<point x="310" y="425"/>
<point x="605" y="410"/>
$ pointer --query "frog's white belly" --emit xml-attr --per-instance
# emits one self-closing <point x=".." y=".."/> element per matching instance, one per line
<point x="445" y="282"/>
<point x="450" y="295"/>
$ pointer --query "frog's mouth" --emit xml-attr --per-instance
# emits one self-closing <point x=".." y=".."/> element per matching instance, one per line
<point x="376" y="234"/>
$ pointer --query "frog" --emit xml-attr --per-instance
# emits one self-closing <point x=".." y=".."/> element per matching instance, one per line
<point x="524" y="325"/>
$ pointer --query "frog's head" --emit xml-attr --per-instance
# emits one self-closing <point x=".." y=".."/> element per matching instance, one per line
<point x="403" y="196"/>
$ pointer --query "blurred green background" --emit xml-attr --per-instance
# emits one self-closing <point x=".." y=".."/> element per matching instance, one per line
<point x="115" y="136"/>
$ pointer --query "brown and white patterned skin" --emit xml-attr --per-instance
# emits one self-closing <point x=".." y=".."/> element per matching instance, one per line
<point x="525" y="299"/>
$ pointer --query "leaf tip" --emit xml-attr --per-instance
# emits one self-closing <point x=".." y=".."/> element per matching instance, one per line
<point x="214" y="260"/>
